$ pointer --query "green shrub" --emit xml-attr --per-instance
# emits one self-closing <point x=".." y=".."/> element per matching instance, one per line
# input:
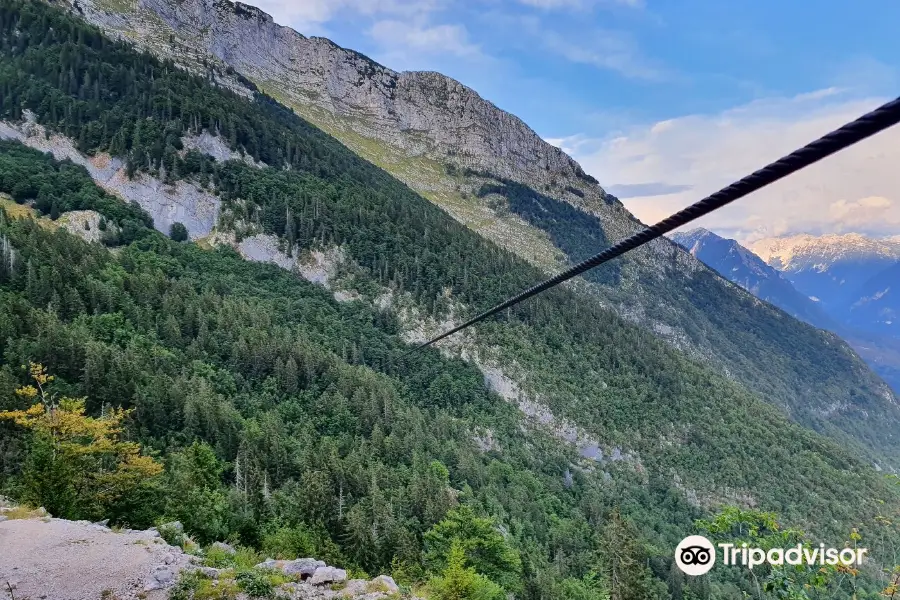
<point x="187" y="586"/>
<point x="178" y="232"/>
<point x="255" y="583"/>
<point x="289" y="543"/>
<point x="172" y="532"/>
<point x="458" y="582"/>
<point x="218" y="558"/>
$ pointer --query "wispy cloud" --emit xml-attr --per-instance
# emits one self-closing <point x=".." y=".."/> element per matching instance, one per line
<point x="819" y="94"/>
<point x="646" y="190"/>
<point x="664" y="166"/>
<point x="309" y="16"/>
<point x="406" y="33"/>
<point x="611" y="50"/>
<point x="601" y="48"/>
<point x="406" y="36"/>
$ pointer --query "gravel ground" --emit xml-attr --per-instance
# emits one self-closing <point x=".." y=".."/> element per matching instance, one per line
<point x="55" y="559"/>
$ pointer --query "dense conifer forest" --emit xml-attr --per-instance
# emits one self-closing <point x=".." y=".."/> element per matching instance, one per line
<point x="286" y="421"/>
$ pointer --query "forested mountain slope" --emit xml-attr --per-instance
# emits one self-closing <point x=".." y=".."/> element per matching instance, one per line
<point x="491" y="172"/>
<point x="332" y="446"/>
<point x="325" y="438"/>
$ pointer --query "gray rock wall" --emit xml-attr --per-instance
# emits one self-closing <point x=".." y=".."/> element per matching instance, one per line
<point x="421" y="113"/>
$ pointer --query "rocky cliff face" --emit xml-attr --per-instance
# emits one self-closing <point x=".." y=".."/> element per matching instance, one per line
<point x="419" y="114"/>
<point x="411" y="124"/>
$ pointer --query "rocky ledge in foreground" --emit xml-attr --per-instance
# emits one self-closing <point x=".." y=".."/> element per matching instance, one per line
<point x="44" y="558"/>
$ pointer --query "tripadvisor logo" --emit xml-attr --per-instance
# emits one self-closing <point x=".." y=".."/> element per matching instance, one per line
<point x="695" y="555"/>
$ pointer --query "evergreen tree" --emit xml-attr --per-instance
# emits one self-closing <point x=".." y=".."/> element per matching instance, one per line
<point x="178" y="232"/>
<point x="623" y="561"/>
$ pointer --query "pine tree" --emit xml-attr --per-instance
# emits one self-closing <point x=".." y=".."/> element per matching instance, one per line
<point x="622" y="560"/>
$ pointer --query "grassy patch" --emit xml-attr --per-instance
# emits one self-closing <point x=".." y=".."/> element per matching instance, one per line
<point x="15" y="210"/>
<point x="223" y="590"/>
<point x="217" y="558"/>
<point x="246" y="558"/>
<point x="429" y="178"/>
<point x="258" y="583"/>
<point x="23" y="512"/>
<point x="377" y="586"/>
<point x="118" y="6"/>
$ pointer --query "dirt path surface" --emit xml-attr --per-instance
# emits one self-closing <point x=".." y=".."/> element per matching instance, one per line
<point x="55" y="559"/>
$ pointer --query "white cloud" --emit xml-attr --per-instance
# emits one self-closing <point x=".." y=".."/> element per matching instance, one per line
<point x="404" y="30"/>
<point x="850" y="215"/>
<point x="601" y="48"/>
<point x="308" y="16"/>
<point x="396" y="35"/>
<point x="609" y="50"/>
<point x="658" y="168"/>
<point x="819" y="94"/>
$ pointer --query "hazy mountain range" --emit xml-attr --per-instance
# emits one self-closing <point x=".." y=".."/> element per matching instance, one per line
<point x="844" y="283"/>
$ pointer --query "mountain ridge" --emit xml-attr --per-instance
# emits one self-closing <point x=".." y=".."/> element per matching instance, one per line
<point x="660" y="287"/>
<point x="876" y="346"/>
<point x="851" y="275"/>
<point x="425" y="106"/>
<point x="743" y="267"/>
<point x="794" y="252"/>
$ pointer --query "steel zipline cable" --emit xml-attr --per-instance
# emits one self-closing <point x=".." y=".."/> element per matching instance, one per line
<point x="867" y="125"/>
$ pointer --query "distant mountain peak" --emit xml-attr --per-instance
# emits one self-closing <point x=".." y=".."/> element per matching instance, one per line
<point x="805" y="251"/>
<point x="687" y="239"/>
<point x="851" y="275"/>
<point x="741" y="266"/>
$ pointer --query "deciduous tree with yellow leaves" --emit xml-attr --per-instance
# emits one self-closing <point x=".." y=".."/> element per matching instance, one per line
<point x="77" y="465"/>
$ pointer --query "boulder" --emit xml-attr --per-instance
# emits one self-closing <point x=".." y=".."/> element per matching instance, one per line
<point x="304" y="567"/>
<point x="355" y="587"/>
<point x="328" y="575"/>
<point x="226" y="548"/>
<point x="163" y="574"/>
<point x="387" y="583"/>
<point x="269" y="563"/>
<point x="209" y="572"/>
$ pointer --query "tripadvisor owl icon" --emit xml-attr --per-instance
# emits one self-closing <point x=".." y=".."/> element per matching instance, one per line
<point x="695" y="555"/>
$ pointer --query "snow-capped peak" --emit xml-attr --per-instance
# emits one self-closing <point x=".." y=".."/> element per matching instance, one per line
<point x="818" y="252"/>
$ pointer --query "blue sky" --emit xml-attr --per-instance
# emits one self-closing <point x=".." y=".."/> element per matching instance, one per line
<point x="651" y="95"/>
